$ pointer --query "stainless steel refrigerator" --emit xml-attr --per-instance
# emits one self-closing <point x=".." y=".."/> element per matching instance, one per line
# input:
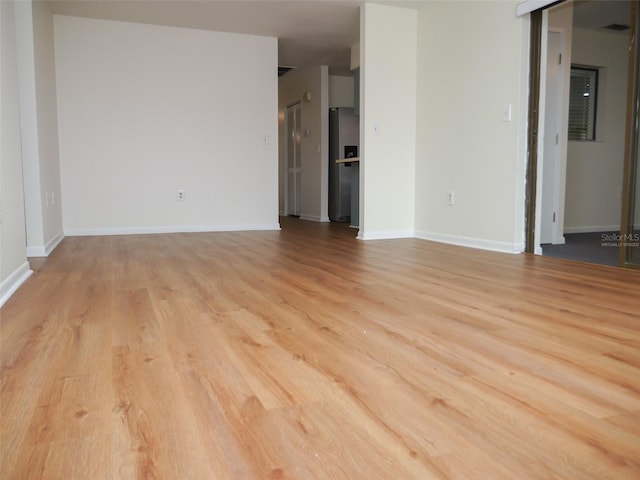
<point x="344" y="135"/>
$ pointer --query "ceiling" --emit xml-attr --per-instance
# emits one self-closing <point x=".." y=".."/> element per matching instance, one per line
<point x="310" y="32"/>
<point x="597" y="14"/>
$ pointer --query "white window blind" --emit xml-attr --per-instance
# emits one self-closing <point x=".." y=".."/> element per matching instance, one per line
<point x="583" y="93"/>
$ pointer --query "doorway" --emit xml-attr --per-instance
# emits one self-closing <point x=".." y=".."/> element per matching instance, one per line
<point x="293" y="155"/>
<point x="581" y="196"/>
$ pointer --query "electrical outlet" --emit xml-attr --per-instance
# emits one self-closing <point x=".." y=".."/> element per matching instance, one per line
<point x="451" y="198"/>
<point x="180" y="195"/>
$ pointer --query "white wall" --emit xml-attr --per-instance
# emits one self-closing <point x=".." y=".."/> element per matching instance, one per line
<point x="29" y="123"/>
<point x="47" y="124"/>
<point x="341" y="91"/>
<point x="388" y="39"/>
<point x="146" y="110"/>
<point x="314" y="115"/>
<point x="41" y="166"/>
<point x="14" y="268"/>
<point x="473" y="58"/>
<point x="355" y="56"/>
<point x="595" y="169"/>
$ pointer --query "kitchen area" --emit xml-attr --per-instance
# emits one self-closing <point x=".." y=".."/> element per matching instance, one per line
<point x="344" y="166"/>
<point x="319" y="151"/>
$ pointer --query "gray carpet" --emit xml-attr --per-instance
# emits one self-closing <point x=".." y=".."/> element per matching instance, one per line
<point x="586" y="247"/>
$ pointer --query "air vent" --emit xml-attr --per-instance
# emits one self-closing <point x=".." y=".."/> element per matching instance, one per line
<point x="617" y="27"/>
<point x="282" y="70"/>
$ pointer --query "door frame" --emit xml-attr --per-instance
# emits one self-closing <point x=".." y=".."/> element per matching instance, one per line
<point x="632" y="144"/>
<point x="559" y="163"/>
<point x="535" y="50"/>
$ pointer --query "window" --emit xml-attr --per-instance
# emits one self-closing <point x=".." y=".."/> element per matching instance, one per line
<point x="583" y="97"/>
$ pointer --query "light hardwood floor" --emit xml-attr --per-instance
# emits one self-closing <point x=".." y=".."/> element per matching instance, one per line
<point x="307" y="354"/>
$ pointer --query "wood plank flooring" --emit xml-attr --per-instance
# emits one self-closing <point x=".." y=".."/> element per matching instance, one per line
<point x="307" y="354"/>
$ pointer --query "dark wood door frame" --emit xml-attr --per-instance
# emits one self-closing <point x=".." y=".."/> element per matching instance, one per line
<point x="632" y="141"/>
<point x="532" y="133"/>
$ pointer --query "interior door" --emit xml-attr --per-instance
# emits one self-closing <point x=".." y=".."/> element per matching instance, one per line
<point x="294" y="170"/>
<point x="549" y="228"/>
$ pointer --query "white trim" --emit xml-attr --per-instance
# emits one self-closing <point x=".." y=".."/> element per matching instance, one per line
<point x="9" y="286"/>
<point x="53" y="243"/>
<point x="592" y="229"/>
<point x="384" y="235"/>
<point x="471" y="242"/>
<point x="44" y="251"/>
<point x="80" y="232"/>
<point x="314" y="218"/>
<point x="529" y="6"/>
<point x="556" y="241"/>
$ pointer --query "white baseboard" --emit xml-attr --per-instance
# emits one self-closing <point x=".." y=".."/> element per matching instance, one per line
<point x="314" y="218"/>
<point x="53" y="243"/>
<point x="384" y="235"/>
<point x="44" y="251"/>
<point x="82" y="232"/>
<point x="558" y="241"/>
<point x="9" y="286"/>
<point x="592" y="229"/>
<point x="482" y="244"/>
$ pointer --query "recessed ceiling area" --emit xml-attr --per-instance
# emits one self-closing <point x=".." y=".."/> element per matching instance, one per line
<point x="310" y="32"/>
